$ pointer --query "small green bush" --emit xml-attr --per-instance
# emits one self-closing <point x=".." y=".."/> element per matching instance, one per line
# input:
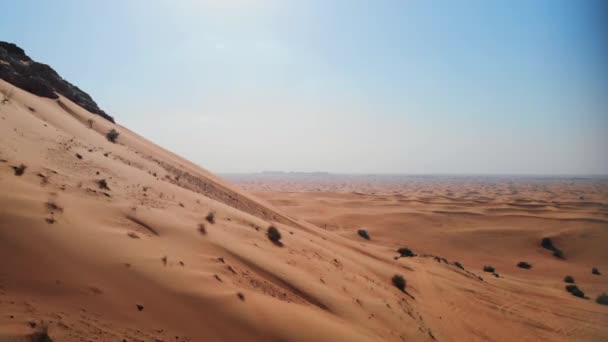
<point x="112" y="135"/>
<point x="210" y="217"/>
<point x="19" y="170"/>
<point x="602" y="299"/>
<point x="363" y="233"/>
<point x="405" y="252"/>
<point x="523" y="264"/>
<point x="575" y="291"/>
<point x="273" y="234"/>
<point x="399" y="282"/>
<point x="547" y="244"/>
<point x="488" y="268"/>
<point x="103" y="184"/>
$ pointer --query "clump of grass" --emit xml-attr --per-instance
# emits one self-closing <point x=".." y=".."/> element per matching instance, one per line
<point x="103" y="184"/>
<point x="488" y="268"/>
<point x="112" y="135"/>
<point x="602" y="299"/>
<point x="363" y="233"/>
<point x="19" y="170"/>
<point x="523" y="264"/>
<point x="274" y="235"/>
<point x="595" y="271"/>
<point x="405" y="252"/>
<point x="399" y="282"/>
<point x="569" y="279"/>
<point x="210" y="217"/>
<point x="575" y="291"/>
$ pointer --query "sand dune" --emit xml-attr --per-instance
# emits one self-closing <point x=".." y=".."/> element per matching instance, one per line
<point x="113" y="241"/>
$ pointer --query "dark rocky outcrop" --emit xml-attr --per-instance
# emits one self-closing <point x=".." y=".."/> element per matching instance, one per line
<point x="20" y="70"/>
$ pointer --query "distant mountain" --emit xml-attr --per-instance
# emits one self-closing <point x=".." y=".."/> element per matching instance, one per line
<point x="20" y="70"/>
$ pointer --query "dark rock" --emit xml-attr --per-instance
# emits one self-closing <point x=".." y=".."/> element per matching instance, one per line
<point x="20" y="70"/>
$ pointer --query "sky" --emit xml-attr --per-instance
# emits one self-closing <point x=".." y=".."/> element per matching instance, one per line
<point x="346" y="86"/>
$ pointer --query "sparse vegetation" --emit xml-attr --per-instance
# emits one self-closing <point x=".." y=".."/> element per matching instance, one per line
<point x="525" y="265"/>
<point x="602" y="299"/>
<point x="202" y="229"/>
<point x="112" y="135"/>
<point x="399" y="282"/>
<point x="210" y="217"/>
<point x="405" y="252"/>
<point x="569" y="279"/>
<point x="363" y="233"/>
<point x="595" y="271"/>
<point x="548" y="244"/>
<point x="90" y="122"/>
<point x="488" y="268"/>
<point x="103" y="184"/>
<point x="575" y="291"/>
<point x="274" y="235"/>
<point x="459" y="265"/>
<point x="19" y="170"/>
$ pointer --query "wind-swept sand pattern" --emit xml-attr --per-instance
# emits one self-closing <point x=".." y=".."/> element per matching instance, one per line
<point x="113" y="241"/>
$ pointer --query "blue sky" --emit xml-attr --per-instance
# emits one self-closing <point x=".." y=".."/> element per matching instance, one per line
<point x="341" y="86"/>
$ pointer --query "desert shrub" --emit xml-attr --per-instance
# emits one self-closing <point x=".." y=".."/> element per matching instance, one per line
<point x="103" y="184"/>
<point x="90" y="122"/>
<point x="459" y="265"/>
<point x="488" y="268"/>
<point x="602" y="299"/>
<point x="405" y="252"/>
<point x="523" y="264"/>
<point x="273" y="234"/>
<point x="19" y="170"/>
<point x="569" y="279"/>
<point x="595" y="271"/>
<point x="399" y="282"/>
<point x="210" y="217"/>
<point x="112" y="135"/>
<point x="363" y="233"/>
<point x="547" y="244"/>
<point x="575" y="291"/>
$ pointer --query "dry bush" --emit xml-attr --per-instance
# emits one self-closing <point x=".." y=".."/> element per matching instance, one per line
<point x="399" y="282"/>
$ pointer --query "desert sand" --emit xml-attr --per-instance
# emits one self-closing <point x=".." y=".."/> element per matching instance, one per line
<point x="103" y="241"/>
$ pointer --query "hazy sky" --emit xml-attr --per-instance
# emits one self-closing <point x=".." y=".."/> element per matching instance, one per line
<point x="342" y="86"/>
